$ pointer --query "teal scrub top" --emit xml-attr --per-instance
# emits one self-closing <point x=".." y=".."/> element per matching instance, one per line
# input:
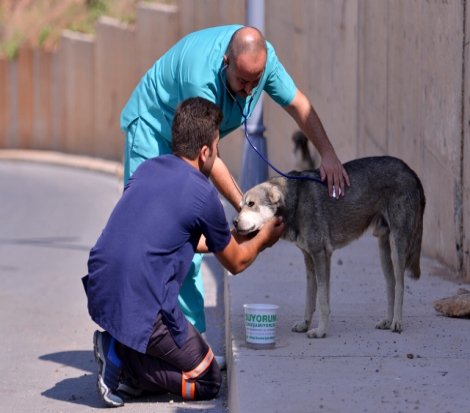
<point x="194" y="67"/>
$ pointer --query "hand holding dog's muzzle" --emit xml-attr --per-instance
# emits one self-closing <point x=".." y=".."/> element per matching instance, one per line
<point x="242" y="237"/>
<point x="274" y="228"/>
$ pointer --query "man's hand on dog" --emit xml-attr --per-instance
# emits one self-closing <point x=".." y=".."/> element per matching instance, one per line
<point x="333" y="171"/>
<point x="271" y="231"/>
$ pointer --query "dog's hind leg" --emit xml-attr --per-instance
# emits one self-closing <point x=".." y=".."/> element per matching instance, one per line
<point x="322" y="271"/>
<point x="310" y="296"/>
<point x="387" y="268"/>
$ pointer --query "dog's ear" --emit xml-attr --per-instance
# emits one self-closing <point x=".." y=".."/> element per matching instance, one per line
<point x="275" y="195"/>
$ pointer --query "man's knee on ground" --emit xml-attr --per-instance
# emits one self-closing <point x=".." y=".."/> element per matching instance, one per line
<point x="208" y="384"/>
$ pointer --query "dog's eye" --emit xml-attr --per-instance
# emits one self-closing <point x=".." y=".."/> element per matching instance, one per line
<point x="251" y="204"/>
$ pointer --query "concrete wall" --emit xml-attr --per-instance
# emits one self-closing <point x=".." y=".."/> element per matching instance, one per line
<point x="386" y="77"/>
<point x="317" y="43"/>
<point x="42" y="100"/>
<point x="156" y="30"/>
<point x="466" y="151"/>
<point x="77" y="54"/>
<point x="410" y="103"/>
<point x="4" y="102"/>
<point x="198" y="14"/>
<point x="115" y="77"/>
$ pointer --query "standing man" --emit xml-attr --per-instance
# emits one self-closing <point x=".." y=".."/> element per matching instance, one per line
<point x="138" y="264"/>
<point x="230" y="66"/>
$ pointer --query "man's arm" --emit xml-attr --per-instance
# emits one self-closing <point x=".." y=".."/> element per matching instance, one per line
<point x="225" y="183"/>
<point x="331" y="168"/>
<point x="242" y="251"/>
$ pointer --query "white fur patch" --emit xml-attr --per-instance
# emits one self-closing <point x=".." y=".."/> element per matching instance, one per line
<point x="250" y="220"/>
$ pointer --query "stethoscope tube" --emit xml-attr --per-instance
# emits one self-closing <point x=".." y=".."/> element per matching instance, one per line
<point x="266" y="160"/>
<point x="253" y="146"/>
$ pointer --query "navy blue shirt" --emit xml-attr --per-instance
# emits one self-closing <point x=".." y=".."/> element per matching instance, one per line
<point x="139" y="262"/>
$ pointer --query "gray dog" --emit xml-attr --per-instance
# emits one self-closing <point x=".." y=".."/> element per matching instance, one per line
<point x="385" y="194"/>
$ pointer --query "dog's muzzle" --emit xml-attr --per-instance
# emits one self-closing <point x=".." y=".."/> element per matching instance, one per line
<point x="236" y="223"/>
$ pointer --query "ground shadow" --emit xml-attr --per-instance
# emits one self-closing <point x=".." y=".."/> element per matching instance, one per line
<point x="78" y="390"/>
<point x="79" y="359"/>
<point x="81" y="389"/>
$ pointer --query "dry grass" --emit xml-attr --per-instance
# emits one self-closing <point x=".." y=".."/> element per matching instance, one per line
<point x="39" y="23"/>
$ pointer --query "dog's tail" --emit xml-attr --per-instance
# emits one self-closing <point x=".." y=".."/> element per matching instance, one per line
<point x="412" y="261"/>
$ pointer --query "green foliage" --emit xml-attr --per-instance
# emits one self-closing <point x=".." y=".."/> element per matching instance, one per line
<point x="96" y="8"/>
<point x="44" y="35"/>
<point x="11" y="47"/>
<point x="39" y="23"/>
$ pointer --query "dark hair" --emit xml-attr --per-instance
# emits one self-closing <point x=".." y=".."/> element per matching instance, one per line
<point x="195" y="124"/>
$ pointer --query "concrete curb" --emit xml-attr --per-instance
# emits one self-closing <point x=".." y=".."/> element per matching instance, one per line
<point x="62" y="159"/>
<point x="233" y="403"/>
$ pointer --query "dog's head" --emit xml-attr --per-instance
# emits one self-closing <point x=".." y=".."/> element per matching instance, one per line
<point x="259" y="204"/>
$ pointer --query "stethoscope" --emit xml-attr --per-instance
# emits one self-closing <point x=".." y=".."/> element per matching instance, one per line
<point x="249" y="140"/>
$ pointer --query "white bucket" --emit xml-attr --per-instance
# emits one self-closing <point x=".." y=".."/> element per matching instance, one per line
<point x="260" y="325"/>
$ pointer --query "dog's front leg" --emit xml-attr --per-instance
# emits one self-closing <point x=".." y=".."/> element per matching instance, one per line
<point x="387" y="268"/>
<point x="310" y="296"/>
<point x="322" y="271"/>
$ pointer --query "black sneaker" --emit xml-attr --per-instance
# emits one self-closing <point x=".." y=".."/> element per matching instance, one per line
<point x="109" y="368"/>
<point x="128" y="391"/>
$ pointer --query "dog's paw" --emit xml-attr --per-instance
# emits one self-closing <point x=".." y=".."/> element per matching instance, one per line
<point x="316" y="333"/>
<point x="396" y="326"/>
<point x="300" y="327"/>
<point x="384" y="324"/>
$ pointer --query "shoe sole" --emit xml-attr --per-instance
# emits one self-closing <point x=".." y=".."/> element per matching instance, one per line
<point x="104" y="392"/>
<point x="103" y="389"/>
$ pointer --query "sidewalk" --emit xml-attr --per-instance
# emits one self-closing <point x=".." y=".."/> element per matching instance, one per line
<point x="356" y="368"/>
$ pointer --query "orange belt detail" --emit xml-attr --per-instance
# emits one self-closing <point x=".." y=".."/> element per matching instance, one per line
<point x="188" y="389"/>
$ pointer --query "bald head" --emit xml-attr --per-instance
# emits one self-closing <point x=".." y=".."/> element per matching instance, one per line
<point x="246" y="40"/>
<point x="245" y="60"/>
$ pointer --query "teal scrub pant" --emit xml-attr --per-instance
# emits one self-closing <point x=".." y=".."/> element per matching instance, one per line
<point x="143" y="143"/>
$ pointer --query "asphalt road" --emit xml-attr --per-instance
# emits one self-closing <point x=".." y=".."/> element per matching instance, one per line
<point x="50" y="217"/>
